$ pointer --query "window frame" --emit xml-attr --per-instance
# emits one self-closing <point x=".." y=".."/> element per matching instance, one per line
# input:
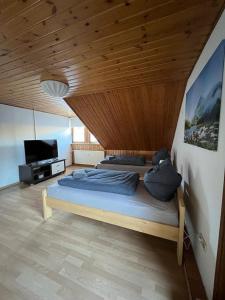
<point x="73" y="135"/>
<point x="87" y="137"/>
<point x="93" y="142"/>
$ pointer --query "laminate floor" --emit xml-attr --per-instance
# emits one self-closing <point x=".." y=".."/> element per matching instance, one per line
<point x="75" y="258"/>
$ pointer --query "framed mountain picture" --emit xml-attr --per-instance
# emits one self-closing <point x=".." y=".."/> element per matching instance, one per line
<point x="203" y="101"/>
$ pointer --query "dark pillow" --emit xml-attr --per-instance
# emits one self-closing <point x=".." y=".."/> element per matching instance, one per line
<point x="162" y="181"/>
<point x="162" y="154"/>
<point x="110" y="157"/>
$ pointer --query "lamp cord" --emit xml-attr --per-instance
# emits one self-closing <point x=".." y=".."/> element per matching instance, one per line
<point x="35" y="134"/>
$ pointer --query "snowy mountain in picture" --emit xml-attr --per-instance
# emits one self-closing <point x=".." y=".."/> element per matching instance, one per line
<point x="203" y="102"/>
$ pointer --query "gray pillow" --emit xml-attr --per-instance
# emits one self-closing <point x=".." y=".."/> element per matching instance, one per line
<point x="78" y="174"/>
<point x="162" y="181"/>
<point x="162" y="154"/>
<point x="110" y="157"/>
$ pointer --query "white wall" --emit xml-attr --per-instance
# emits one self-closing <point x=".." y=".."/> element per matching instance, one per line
<point x="75" y="121"/>
<point x="50" y="126"/>
<point x="203" y="174"/>
<point x="17" y="125"/>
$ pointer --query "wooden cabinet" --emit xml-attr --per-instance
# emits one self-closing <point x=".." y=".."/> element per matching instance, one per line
<point x="58" y="167"/>
<point x="34" y="173"/>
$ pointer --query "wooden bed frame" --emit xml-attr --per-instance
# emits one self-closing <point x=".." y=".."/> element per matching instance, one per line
<point x="168" y="232"/>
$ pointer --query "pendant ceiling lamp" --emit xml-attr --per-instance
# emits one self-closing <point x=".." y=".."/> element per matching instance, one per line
<point x="55" y="88"/>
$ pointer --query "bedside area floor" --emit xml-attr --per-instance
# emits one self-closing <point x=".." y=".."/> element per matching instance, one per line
<point x="71" y="257"/>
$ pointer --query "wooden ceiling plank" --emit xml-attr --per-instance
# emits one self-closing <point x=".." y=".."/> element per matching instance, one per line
<point x="15" y="9"/>
<point x="106" y="87"/>
<point x="150" y="46"/>
<point x="66" y="33"/>
<point x="130" y="64"/>
<point x="111" y="65"/>
<point x="4" y="4"/>
<point x="108" y="110"/>
<point x="129" y="82"/>
<point x="35" y="14"/>
<point x="117" y="75"/>
<point x="149" y="76"/>
<point x="36" y="80"/>
<point x="111" y="28"/>
<point x="113" y="45"/>
<point x="86" y="9"/>
<point x="69" y="18"/>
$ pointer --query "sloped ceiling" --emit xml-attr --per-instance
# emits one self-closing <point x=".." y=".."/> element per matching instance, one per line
<point x="137" y="118"/>
<point x="97" y="45"/>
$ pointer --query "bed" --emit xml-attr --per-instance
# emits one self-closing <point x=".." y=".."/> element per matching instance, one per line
<point x="139" y="212"/>
<point x="134" y="168"/>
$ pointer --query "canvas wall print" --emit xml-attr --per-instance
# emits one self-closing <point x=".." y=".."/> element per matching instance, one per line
<point x="203" y="102"/>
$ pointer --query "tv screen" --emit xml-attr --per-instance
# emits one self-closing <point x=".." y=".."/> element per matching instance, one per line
<point x="37" y="150"/>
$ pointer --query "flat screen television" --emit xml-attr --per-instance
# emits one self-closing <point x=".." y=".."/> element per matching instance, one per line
<point x="37" y="150"/>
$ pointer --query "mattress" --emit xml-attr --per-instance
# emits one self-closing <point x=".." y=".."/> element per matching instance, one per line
<point x="140" y="205"/>
<point x="139" y="169"/>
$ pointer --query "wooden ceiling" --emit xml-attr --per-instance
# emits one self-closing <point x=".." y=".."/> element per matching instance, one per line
<point x="98" y="45"/>
<point x="136" y="118"/>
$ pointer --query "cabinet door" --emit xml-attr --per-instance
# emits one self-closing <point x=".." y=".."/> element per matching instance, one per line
<point x="57" y="167"/>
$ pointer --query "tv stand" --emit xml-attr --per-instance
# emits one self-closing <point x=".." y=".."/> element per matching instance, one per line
<point x="40" y="171"/>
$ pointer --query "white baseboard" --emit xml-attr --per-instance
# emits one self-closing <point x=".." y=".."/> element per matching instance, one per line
<point x="9" y="185"/>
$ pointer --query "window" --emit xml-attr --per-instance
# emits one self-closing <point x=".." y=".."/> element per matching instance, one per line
<point x="93" y="139"/>
<point x="82" y="135"/>
<point x="78" y="135"/>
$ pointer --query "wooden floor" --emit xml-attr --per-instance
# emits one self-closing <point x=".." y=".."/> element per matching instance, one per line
<point x="74" y="258"/>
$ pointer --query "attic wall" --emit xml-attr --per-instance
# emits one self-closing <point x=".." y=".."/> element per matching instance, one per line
<point x="203" y="175"/>
<point x="137" y="118"/>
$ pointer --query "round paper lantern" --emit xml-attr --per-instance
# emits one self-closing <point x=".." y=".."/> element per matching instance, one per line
<point x="55" y="88"/>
